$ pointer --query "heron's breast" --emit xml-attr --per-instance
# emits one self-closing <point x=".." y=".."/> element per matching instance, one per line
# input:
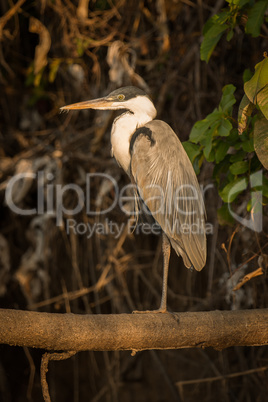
<point x="120" y="139"/>
<point x="123" y="128"/>
<point x="120" y="150"/>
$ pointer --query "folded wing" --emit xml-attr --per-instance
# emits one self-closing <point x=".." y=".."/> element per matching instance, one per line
<point x="167" y="183"/>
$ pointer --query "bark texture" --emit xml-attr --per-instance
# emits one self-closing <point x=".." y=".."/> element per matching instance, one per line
<point x="217" y="329"/>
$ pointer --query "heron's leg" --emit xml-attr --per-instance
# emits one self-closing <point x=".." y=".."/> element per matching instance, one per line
<point x="166" y="255"/>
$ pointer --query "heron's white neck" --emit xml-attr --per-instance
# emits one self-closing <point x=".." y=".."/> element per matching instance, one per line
<point x="140" y="111"/>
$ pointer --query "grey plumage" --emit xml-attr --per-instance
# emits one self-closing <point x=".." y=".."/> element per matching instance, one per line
<point x="164" y="165"/>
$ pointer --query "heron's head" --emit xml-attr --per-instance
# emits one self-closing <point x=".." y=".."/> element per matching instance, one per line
<point x="127" y="98"/>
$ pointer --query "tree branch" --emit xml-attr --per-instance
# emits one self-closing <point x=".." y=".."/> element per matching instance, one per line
<point x="44" y="369"/>
<point x="217" y="329"/>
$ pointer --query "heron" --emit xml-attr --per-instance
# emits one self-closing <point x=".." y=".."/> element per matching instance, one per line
<point x="166" y="186"/>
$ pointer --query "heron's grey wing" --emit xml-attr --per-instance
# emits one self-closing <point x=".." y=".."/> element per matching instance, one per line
<point x="168" y="185"/>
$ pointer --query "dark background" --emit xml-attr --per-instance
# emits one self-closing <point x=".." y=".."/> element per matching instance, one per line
<point x="42" y="267"/>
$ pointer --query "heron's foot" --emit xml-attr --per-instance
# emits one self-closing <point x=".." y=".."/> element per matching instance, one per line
<point x="160" y="310"/>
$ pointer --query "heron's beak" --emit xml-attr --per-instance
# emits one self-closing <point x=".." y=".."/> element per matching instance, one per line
<point x="101" y="103"/>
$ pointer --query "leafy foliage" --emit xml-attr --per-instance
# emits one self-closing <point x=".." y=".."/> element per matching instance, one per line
<point x="228" y="19"/>
<point x="238" y="148"/>
<point x="216" y="139"/>
<point x="256" y="95"/>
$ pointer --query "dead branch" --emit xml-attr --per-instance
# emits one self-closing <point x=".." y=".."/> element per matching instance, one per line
<point x="44" y="369"/>
<point x="5" y="18"/>
<point x="217" y="329"/>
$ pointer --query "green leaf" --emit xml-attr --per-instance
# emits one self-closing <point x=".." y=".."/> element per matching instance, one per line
<point x="221" y="168"/>
<point x="261" y="140"/>
<point x="239" y="167"/>
<point x="247" y="75"/>
<point x="248" y="145"/>
<point x="211" y="38"/>
<point x="224" y="128"/>
<point x="255" y="163"/>
<point x="245" y="109"/>
<point x="196" y="166"/>
<point x="200" y="128"/>
<point x="228" y="99"/>
<point x="211" y="156"/>
<point x="221" y="151"/>
<point x="238" y="156"/>
<point x="192" y="150"/>
<point x="255" y="18"/>
<point x="264" y="187"/>
<point x="224" y="216"/>
<point x="257" y="82"/>
<point x="207" y="142"/>
<point x="263" y="100"/>
<point x="233" y="136"/>
<point x="237" y="145"/>
<point x="221" y="18"/>
<point x="230" y="35"/>
<point x="233" y="189"/>
<point x="208" y="24"/>
<point x="241" y="3"/>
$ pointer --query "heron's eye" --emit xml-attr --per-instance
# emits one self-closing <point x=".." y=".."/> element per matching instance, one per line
<point x="121" y="97"/>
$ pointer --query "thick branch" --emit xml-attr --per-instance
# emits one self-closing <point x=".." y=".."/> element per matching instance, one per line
<point x="218" y="329"/>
